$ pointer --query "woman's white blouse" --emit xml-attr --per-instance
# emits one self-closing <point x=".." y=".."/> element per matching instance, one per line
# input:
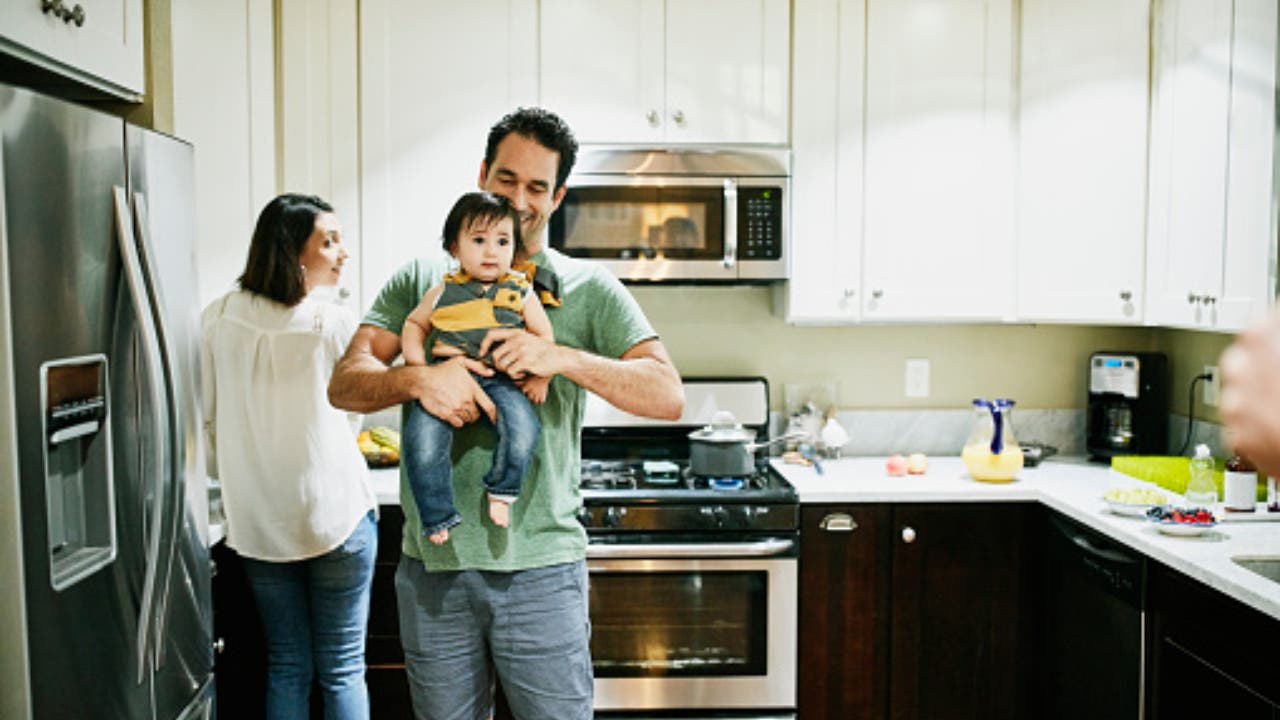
<point x="294" y="484"/>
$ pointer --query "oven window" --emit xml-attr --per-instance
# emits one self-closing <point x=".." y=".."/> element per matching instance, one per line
<point x="634" y="223"/>
<point x="679" y="624"/>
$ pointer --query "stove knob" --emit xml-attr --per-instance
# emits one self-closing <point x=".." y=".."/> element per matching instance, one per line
<point x="584" y="517"/>
<point x="613" y="516"/>
<point x="716" y="516"/>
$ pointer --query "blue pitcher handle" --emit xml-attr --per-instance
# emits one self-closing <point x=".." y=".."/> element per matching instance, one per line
<point x="997" y="435"/>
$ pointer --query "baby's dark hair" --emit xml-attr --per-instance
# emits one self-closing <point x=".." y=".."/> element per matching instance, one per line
<point x="483" y="207"/>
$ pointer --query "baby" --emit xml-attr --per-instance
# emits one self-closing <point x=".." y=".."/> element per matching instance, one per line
<point x="482" y="232"/>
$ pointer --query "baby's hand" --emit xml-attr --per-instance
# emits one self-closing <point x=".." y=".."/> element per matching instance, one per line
<point x="535" y="388"/>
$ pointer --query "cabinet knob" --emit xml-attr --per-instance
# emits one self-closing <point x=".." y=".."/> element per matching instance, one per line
<point x="838" y="522"/>
<point x="877" y="294"/>
<point x="219" y="645"/>
<point x="1209" y="299"/>
<point x="850" y="292"/>
<point x="1193" y="298"/>
<point x="1125" y="295"/>
<point x="50" y="6"/>
<point x="77" y="15"/>
<point x="908" y="534"/>
<point x="678" y="116"/>
<point x="652" y="117"/>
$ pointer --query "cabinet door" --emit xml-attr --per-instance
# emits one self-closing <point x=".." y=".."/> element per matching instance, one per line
<point x="105" y="50"/>
<point x="1249" y="256"/>
<point x="727" y="71"/>
<point x="961" y="627"/>
<point x="938" y="207"/>
<point x="844" y="631"/>
<point x="1082" y="160"/>
<point x="429" y="94"/>
<point x="826" y="205"/>
<point x="1187" y="208"/>
<point x="602" y="67"/>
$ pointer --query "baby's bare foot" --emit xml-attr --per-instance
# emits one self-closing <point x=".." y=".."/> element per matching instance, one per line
<point x="499" y="512"/>
<point x="439" y="538"/>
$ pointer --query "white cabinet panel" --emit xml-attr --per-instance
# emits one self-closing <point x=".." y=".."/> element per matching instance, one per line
<point x="1082" y="178"/>
<point x="1210" y="260"/>
<point x="602" y="67"/>
<point x="97" y="42"/>
<point x="643" y="71"/>
<point x="938" y="207"/>
<point x="434" y="76"/>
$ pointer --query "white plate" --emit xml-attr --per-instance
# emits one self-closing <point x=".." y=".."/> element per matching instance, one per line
<point x="1169" y="527"/>
<point x="1135" y="509"/>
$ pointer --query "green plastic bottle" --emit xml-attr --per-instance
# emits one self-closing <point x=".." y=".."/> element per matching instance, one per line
<point x="1201" y="490"/>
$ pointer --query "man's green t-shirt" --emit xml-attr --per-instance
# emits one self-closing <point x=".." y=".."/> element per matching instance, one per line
<point x="597" y="315"/>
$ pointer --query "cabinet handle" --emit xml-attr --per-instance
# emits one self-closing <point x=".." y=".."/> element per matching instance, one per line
<point x="908" y="534"/>
<point x="219" y="645"/>
<point x="77" y="15"/>
<point x="678" y="116"/>
<point x="838" y="522"/>
<point x="1125" y="295"/>
<point x="51" y="6"/>
<point x="1193" y="298"/>
<point x="877" y="294"/>
<point x="1209" y="299"/>
<point x="652" y="117"/>
<point x="850" y="292"/>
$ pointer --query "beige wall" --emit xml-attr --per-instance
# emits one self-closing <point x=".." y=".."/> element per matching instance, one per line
<point x="726" y="330"/>
<point x="1189" y="352"/>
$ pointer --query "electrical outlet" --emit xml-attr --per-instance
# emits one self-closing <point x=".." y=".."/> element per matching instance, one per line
<point x="917" y="377"/>
<point x="1211" y="385"/>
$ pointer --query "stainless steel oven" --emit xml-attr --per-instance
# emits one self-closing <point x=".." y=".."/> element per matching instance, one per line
<point x="693" y="579"/>
<point x="684" y="215"/>
<point x="695" y="626"/>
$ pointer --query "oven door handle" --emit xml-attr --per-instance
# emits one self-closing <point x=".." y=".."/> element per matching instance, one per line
<point x="763" y="548"/>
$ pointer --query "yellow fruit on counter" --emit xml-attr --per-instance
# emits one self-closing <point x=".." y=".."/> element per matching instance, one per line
<point x="386" y="437"/>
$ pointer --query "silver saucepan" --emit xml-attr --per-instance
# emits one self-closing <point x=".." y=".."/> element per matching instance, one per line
<point x="726" y="449"/>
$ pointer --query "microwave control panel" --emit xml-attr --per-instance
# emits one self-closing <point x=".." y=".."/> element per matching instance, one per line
<point x="759" y="223"/>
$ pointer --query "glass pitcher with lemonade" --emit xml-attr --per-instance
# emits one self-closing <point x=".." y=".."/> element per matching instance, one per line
<point x="992" y="454"/>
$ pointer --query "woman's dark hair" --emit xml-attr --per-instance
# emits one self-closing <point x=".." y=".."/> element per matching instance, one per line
<point x="543" y="126"/>
<point x="480" y="207"/>
<point x="274" y="266"/>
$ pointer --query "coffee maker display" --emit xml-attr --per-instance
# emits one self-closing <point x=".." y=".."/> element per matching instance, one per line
<point x="1128" y="412"/>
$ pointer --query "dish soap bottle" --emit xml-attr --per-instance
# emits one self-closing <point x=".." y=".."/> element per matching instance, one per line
<point x="1201" y="490"/>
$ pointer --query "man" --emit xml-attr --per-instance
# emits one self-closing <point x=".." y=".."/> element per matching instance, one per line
<point x="514" y="599"/>
<point x="1250" y="403"/>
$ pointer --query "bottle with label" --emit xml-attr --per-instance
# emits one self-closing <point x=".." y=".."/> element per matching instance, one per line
<point x="1201" y="490"/>
<point x="1239" y="485"/>
<point x="1273" y="494"/>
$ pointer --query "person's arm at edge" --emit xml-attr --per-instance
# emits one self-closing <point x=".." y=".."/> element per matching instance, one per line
<point x="643" y="381"/>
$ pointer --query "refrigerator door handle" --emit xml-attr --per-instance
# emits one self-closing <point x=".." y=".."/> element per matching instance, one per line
<point x="171" y="520"/>
<point x="151" y="348"/>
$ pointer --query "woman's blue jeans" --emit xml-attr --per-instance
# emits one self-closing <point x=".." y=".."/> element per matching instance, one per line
<point x="315" y="613"/>
<point x="427" y="442"/>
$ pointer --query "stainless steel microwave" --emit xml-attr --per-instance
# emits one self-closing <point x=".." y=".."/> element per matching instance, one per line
<point x="679" y="214"/>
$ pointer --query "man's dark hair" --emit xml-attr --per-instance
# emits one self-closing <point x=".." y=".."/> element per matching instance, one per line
<point x="274" y="266"/>
<point x="480" y="207"/>
<point x="540" y="125"/>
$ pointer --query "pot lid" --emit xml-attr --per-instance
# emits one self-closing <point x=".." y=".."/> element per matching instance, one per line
<point x="724" y="428"/>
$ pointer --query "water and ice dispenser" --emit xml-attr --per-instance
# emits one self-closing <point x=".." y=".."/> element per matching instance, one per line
<point x="79" y="493"/>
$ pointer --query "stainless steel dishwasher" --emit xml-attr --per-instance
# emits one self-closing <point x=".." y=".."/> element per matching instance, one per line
<point x="1093" y="598"/>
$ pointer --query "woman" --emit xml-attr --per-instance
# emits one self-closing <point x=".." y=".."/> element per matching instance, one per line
<point x="295" y="489"/>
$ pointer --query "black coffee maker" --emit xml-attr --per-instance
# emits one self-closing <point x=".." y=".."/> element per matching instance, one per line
<point x="1128" y="411"/>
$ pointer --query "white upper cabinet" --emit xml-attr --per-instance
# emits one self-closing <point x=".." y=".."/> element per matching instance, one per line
<point x="645" y="71"/>
<point x="1210" y="259"/>
<point x="938" y="218"/>
<point x="434" y="76"/>
<point x="98" y="43"/>
<point x="1082" y="177"/>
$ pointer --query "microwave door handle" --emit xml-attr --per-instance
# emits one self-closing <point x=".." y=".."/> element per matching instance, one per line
<point x="138" y="291"/>
<point x="730" y="223"/>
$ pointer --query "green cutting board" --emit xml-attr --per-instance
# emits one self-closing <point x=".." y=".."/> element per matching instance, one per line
<point x="1171" y="472"/>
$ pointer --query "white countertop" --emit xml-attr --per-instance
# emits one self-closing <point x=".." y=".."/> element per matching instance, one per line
<point x="1074" y="488"/>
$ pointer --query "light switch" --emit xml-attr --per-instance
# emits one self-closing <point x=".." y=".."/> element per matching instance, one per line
<point x="917" y="377"/>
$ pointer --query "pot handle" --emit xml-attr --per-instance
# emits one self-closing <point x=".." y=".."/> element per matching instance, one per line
<point x="793" y="435"/>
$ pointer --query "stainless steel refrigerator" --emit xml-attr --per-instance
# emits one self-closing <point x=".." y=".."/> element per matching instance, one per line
<point x="105" y="607"/>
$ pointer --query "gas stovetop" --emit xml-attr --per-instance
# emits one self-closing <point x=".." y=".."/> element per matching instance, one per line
<point x="667" y="481"/>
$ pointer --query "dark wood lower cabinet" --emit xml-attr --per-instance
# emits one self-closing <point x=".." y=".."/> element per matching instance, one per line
<point x="916" y="611"/>
<point x="241" y="668"/>
<point x="1210" y="656"/>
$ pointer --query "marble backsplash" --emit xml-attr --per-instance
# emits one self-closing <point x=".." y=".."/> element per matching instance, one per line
<point x="943" y="432"/>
